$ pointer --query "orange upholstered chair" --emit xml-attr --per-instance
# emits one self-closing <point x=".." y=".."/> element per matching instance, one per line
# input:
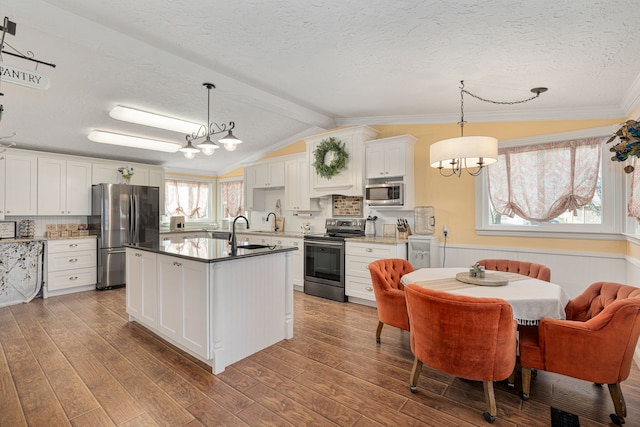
<point x="596" y="343"/>
<point x="389" y="292"/>
<point x="537" y="271"/>
<point x="471" y="338"/>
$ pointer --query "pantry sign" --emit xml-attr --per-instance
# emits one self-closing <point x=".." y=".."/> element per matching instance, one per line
<point x="19" y="76"/>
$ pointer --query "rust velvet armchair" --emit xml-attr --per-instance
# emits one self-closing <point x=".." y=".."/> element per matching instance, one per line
<point x="596" y="343"/>
<point x="537" y="271"/>
<point x="471" y="338"/>
<point x="389" y="292"/>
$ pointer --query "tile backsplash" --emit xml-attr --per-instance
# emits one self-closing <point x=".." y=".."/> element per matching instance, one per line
<point x="347" y="206"/>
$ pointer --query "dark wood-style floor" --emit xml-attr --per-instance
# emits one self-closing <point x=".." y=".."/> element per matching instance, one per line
<point x="76" y="360"/>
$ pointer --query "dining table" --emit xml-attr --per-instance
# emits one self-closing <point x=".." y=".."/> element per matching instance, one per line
<point x="531" y="299"/>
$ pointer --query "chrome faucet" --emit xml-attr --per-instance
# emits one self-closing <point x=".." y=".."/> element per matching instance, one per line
<point x="232" y="239"/>
<point x="275" y="223"/>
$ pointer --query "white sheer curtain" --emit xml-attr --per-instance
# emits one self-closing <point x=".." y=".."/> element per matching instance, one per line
<point x="633" y="207"/>
<point x="232" y="194"/>
<point x="188" y="198"/>
<point x="540" y="182"/>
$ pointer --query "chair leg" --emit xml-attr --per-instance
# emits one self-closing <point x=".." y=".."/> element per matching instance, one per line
<point x="379" y="331"/>
<point x="512" y="379"/>
<point x="490" y="399"/>
<point x="415" y="374"/>
<point x="618" y="403"/>
<point x="526" y="383"/>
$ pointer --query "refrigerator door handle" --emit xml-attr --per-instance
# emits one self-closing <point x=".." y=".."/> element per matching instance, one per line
<point x="134" y="229"/>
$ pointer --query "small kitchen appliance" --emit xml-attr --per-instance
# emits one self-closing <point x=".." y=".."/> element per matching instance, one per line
<point x="176" y="223"/>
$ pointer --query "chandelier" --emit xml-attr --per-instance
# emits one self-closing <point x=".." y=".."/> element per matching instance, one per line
<point x="207" y="146"/>
<point x="471" y="153"/>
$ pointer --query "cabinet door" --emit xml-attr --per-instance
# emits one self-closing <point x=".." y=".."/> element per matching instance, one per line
<point x="395" y="160"/>
<point x="78" y="188"/>
<point x="21" y="180"/>
<point x="106" y="172"/>
<point x="142" y="301"/>
<point x="2" y="171"/>
<point x="374" y="162"/>
<point x="52" y="186"/>
<point x="276" y="174"/>
<point x="260" y="176"/>
<point x="297" y="258"/>
<point x="296" y="188"/>
<point x="140" y="176"/>
<point x="170" y="300"/>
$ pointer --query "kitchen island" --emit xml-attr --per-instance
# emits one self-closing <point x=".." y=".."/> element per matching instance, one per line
<point x="218" y="306"/>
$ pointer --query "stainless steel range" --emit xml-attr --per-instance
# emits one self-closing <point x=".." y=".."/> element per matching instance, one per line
<point x="324" y="258"/>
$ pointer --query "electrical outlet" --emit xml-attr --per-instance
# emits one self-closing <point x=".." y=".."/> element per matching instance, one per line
<point x="445" y="231"/>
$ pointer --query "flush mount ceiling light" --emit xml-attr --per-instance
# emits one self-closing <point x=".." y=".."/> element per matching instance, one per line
<point x="132" y="141"/>
<point x="145" y="118"/>
<point x="471" y="153"/>
<point x="207" y="146"/>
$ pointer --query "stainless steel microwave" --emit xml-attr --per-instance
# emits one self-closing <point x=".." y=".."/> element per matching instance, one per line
<point x="387" y="194"/>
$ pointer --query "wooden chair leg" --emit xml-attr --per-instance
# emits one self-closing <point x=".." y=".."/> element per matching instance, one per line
<point x="379" y="331"/>
<point x="490" y="399"/>
<point x="526" y="383"/>
<point x="618" y="403"/>
<point x="512" y="379"/>
<point x="415" y="374"/>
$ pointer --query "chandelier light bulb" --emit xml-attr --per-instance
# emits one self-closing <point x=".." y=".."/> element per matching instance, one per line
<point x="230" y="146"/>
<point x="189" y="155"/>
<point x="207" y="151"/>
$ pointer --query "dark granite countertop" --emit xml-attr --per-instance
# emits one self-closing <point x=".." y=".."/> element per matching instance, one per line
<point x="206" y="250"/>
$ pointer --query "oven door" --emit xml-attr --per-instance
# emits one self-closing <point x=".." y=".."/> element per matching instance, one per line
<point x="324" y="262"/>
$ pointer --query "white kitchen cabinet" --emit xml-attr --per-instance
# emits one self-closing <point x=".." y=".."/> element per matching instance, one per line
<point x="183" y="300"/>
<point x="296" y="186"/>
<point x="142" y="287"/>
<point x="71" y="266"/>
<point x="64" y="187"/>
<point x="392" y="160"/>
<point x="358" y="256"/>
<point x="106" y="172"/>
<point x="350" y="180"/>
<point x="268" y="175"/>
<point x="260" y="239"/>
<point x="297" y="258"/>
<point x="21" y="184"/>
<point x="2" y="171"/>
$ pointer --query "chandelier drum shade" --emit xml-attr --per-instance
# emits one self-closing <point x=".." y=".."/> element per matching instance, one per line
<point x="471" y="153"/>
<point x="207" y="146"/>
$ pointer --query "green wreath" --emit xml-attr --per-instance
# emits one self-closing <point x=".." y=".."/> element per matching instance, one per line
<point x="337" y="164"/>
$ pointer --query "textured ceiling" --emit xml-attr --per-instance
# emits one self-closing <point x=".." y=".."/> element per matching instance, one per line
<point x="287" y="68"/>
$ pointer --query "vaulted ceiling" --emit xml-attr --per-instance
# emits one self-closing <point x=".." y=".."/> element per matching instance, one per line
<point x="285" y="69"/>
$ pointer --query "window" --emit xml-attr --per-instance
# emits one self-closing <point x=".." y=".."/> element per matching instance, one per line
<point x="188" y="198"/>
<point x="231" y="202"/>
<point x="545" y="202"/>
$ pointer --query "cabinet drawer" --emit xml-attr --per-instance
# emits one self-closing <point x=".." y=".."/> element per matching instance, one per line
<point x="69" y="245"/>
<point x="71" y="278"/>
<point x="358" y="266"/>
<point x="377" y="251"/>
<point x="358" y="288"/>
<point x="71" y="260"/>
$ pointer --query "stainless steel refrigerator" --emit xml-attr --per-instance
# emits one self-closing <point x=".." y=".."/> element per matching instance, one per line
<point x="122" y="214"/>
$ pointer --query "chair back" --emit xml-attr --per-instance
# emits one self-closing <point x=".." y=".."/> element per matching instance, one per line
<point x="389" y="292"/>
<point x="596" y="298"/>
<point x="472" y="338"/>
<point x="537" y="271"/>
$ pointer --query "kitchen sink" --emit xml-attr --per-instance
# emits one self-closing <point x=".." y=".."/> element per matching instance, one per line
<point x="253" y="246"/>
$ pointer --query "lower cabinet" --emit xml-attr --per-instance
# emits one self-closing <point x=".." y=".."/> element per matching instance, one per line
<point x="71" y="266"/>
<point x="142" y="293"/>
<point x="297" y="259"/>
<point x="358" y="256"/>
<point x="183" y="298"/>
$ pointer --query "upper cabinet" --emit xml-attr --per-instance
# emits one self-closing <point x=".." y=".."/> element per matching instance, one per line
<point x="296" y="187"/>
<point x="349" y="180"/>
<point x="21" y="184"/>
<point x="268" y="175"/>
<point x="389" y="157"/>
<point x="64" y="186"/>
<point x="391" y="160"/>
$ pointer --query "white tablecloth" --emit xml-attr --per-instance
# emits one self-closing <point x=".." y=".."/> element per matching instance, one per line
<point x="531" y="299"/>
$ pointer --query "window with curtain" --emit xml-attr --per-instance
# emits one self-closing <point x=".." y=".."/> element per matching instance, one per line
<point x="551" y="183"/>
<point x="188" y="198"/>
<point x="232" y="198"/>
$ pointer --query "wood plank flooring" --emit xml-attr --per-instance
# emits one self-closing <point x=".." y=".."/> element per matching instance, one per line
<point x="76" y="360"/>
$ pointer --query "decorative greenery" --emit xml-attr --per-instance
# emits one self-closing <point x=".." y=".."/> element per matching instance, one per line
<point x="337" y="164"/>
<point x="126" y="172"/>
<point x="629" y="143"/>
